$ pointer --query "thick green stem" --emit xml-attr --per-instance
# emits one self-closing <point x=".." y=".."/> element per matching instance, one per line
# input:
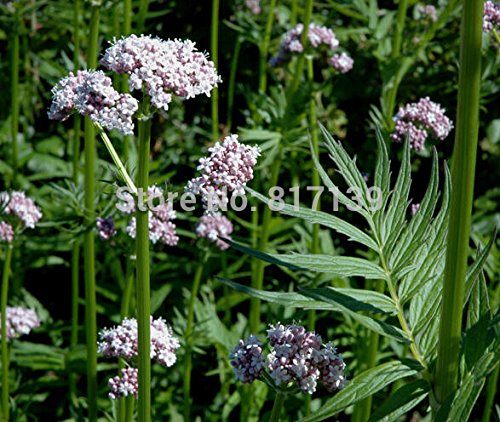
<point x="462" y="179"/>
<point x="293" y="13"/>
<point x="5" y="349"/>
<point x="400" y="26"/>
<point x="214" y="55"/>
<point x="143" y="11"/>
<point x="277" y="406"/>
<point x="299" y="68"/>
<point x="75" y="252"/>
<point x="258" y="274"/>
<point x="264" y="47"/>
<point x="142" y="269"/>
<point x="14" y="100"/>
<point x="232" y="83"/>
<point x="89" y="246"/>
<point x="491" y="390"/>
<point x="188" y="357"/>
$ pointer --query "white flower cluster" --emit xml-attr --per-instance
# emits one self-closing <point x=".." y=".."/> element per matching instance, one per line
<point x="213" y="225"/>
<point x="20" y="321"/>
<point x="162" y="67"/>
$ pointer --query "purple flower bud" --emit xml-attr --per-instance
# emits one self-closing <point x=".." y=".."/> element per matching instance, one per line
<point x="247" y="360"/>
<point x="341" y="62"/>
<point x="491" y="18"/>
<point x="105" y="228"/>
<point x="254" y="6"/>
<point x="19" y="205"/>
<point x="6" y="232"/>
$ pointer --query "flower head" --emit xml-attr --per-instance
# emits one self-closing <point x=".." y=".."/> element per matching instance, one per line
<point x="419" y="120"/>
<point x="214" y="225"/>
<point x="122" y="341"/>
<point x="162" y="68"/>
<point x="491" y="18"/>
<point x="161" y="228"/>
<point x="92" y="94"/>
<point x="6" y="232"/>
<point x="428" y="11"/>
<point x="124" y="386"/>
<point x="296" y="356"/>
<point x="105" y="227"/>
<point x="247" y="360"/>
<point x="254" y="6"/>
<point x="227" y="170"/>
<point x="341" y="62"/>
<point x="20" y="321"/>
<point x="17" y="204"/>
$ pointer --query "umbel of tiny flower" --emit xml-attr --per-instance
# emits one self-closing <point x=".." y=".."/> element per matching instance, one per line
<point x="319" y="37"/>
<point x="91" y="93"/>
<point x="125" y="385"/>
<point x="227" y="170"/>
<point x="491" y="17"/>
<point x="161" y="228"/>
<point x="17" y="211"/>
<point x="419" y="121"/>
<point x="215" y="225"/>
<point x="296" y="357"/>
<point x="427" y="11"/>
<point x="162" y="68"/>
<point x="20" y="321"/>
<point x="121" y="341"/>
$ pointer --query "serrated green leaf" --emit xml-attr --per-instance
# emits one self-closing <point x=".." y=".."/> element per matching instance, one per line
<point x="360" y="387"/>
<point x="382" y="176"/>
<point x="401" y="401"/>
<point x="339" y="266"/>
<point x="322" y="218"/>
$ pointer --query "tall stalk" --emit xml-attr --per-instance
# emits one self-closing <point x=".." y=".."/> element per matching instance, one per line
<point x="277" y="406"/>
<point x="5" y="348"/>
<point x="127" y="30"/>
<point x="232" y="82"/>
<point x="75" y="252"/>
<point x="264" y="47"/>
<point x="188" y="356"/>
<point x="14" y="100"/>
<point x="89" y="246"/>
<point x="214" y="42"/>
<point x="142" y="268"/>
<point x="143" y="11"/>
<point x="462" y="178"/>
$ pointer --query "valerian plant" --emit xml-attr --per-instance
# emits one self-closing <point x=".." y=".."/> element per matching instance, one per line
<point x="408" y="257"/>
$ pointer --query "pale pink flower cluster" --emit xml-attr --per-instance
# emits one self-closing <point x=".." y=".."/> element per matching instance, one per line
<point x="414" y="208"/>
<point x="162" y="68"/>
<point x="161" y="228"/>
<point x="6" y="232"/>
<point x="247" y="360"/>
<point x="341" y="62"/>
<point x="105" y="227"/>
<point x="125" y="385"/>
<point x="317" y="36"/>
<point x="254" y="6"/>
<point x="420" y="120"/>
<point x="20" y="321"/>
<point x="18" y="205"/>
<point x="227" y="170"/>
<point x="213" y="225"/>
<point x="428" y="11"/>
<point x="297" y="355"/>
<point x="122" y="341"/>
<point x="491" y="19"/>
<point x="91" y="93"/>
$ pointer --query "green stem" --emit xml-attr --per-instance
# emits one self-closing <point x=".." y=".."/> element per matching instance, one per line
<point x="232" y="83"/>
<point x="143" y="11"/>
<point x="129" y="408"/>
<point x="14" y="101"/>
<point x="462" y="178"/>
<point x="497" y="37"/>
<point x="264" y="47"/>
<point x="89" y="246"/>
<point x="491" y="390"/>
<point x="400" y="26"/>
<point x="142" y="269"/>
<point x="75" y="252"/>
<point x="116" y="159"/>
<point x="188" y="357"/>
<point x="299" y="68"/>
<point x="5" y="349"/>
<point x="277" y="406"/>
<point x="293" y="13"/>
<point x="214" y="42"/>
<point x="258" y="274"/>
